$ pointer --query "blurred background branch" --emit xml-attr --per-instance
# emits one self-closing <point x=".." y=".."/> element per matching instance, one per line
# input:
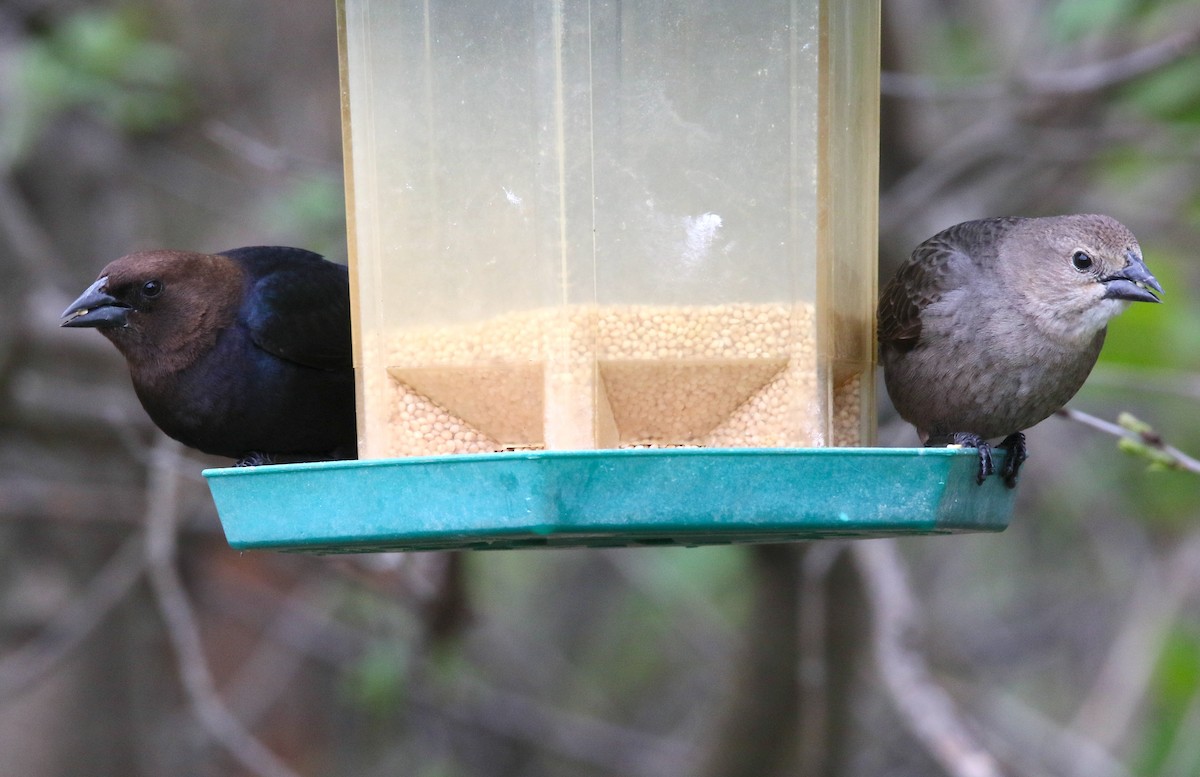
<point x="160" y="549"/>
<point x="1093" y="77"/>
<point x="924" y="706"/>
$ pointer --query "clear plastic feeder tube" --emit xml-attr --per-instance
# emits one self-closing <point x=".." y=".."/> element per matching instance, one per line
<point x="609" y="224"/>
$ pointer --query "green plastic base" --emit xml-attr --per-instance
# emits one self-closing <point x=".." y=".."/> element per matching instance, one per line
<point x="610" y="498"/>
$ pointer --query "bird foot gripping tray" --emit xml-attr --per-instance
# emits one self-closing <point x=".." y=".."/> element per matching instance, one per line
<point x="611" y="498"/>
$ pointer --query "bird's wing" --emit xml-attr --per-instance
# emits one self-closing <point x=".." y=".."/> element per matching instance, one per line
<point x="935" y="267"/>
<point x="919" y="282"/>
<point x="297" y="305"/>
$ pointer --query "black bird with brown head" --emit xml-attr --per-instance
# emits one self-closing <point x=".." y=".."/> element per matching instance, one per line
<point x="245" y="353"/>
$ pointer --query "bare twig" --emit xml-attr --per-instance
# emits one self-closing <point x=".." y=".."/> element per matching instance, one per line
<point x="614" y="749"/>
<point x="27" y="497"/>
<point x="262" y="155"/>
<point x="1085" y="79"/>
<point x="33" y="247"/>
<point x="1138" y="438"/>
<point x="1035" y="743"/>
<point x="273" y="666"/>
<point x="951" y="159"/>
<point x="915" y="86"/>
<point x="249" y="149"/>
<point x="924" y="706"/>
<point x="306" y="628"/>
<point x="1113" y="72"/>
<point x="25" y="666"/>
<point x="182" y="629"/>
<point x="813" y="673"/>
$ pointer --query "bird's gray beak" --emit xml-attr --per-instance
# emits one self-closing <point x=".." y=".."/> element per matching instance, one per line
<point x="96" y="308"/>
<point x="1133" y="282"/>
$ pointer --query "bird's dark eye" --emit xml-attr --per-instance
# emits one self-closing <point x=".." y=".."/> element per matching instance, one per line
<point x="152" y="288"/>
<point x="1082" y="261"/>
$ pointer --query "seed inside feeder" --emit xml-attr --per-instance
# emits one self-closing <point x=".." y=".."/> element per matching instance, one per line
<point x="613" y="377"/>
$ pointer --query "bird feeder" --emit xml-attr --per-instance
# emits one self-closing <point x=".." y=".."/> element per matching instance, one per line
<point x="613" y="272"/>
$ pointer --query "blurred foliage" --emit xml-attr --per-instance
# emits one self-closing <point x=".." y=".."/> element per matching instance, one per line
<point x="376" y="682"/>
<point x="311" y="211"/>
<point x="1070" y="20"/>
<point x="960" y="52"/>
<point x="1171" y="94"/>
<point x="1176" y="684"/>
<point x="101" y="61"/>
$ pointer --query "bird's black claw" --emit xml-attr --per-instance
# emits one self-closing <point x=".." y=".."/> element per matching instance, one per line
<point x="971" y="440"/>
<point x="1014" y="444"/>
<point x="255" y="459"/>
<point x="985" y="461"/>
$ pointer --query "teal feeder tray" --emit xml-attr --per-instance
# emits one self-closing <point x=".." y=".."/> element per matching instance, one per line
<point x="601" y="499"/>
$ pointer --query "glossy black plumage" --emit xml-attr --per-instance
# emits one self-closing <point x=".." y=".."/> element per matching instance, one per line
<point x="245" y="354"/>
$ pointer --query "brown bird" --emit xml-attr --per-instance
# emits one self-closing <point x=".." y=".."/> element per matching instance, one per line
<point x="244" y="354"/>
<point x="993" y="325"/>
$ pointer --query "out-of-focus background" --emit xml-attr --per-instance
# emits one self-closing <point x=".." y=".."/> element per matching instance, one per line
<point x="133" y="641"/>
